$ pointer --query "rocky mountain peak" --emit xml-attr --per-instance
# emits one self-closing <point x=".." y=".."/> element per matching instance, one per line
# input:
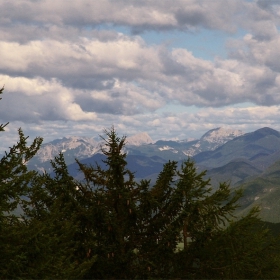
<point x="221" y="134"/>
<point x="81" y="147"/>
<point x="139" y="139"/>
<point x="213" y="139"/>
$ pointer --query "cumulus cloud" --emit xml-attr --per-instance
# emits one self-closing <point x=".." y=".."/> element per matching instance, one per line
<point x="166" y="125"/>
<point x="126" y="76"/>
<point x="66" y="62"/>
<point x="33" y="100"/>
<point x="157" y="14"/>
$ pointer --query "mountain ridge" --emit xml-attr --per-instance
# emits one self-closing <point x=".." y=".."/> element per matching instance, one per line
<point x="141" y="143"/>
<point x="264" y="141"/>
<point x="250" y="161"/>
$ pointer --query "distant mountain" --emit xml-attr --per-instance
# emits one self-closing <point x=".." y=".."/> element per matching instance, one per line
<point x="141" y="166"/>
<point x="234" y="172"/>
<point x="260" y="147"/>
<point x="139" y="139"/>
<point x="179" y="150"/>
<point x="212" y="139"/>
<point x="71" y="147"/>
<point x="77" y="147"/>
<point x="139" y="144"/>
<point x="263" y="191"/>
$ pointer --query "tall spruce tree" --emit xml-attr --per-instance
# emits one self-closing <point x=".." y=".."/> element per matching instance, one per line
<point x="137" y="228"/>
<point x="110" y="226"/>
<point x="14" y="182"/>
<point x="59" y="230"/>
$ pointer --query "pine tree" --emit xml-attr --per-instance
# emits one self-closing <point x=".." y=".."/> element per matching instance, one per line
<point x="114" y="197"/>
<point x="243" y="250"/>
<point x="138" y="227"/>
<point x="110" y="226"/>
<point x="58" y="230"/>
<point x="2" y="126"/>
<point x="14" y="182"/>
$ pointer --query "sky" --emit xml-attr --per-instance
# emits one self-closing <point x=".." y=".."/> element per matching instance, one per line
<point x="174" y="69"/>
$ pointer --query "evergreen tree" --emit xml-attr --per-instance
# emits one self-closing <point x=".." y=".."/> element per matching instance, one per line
<point x="137" y="228"/>
<point x="244" y="250"/>
<point x="14" y="181"/>
<point x="58" y="226"/>
<point x="110" y="226"/>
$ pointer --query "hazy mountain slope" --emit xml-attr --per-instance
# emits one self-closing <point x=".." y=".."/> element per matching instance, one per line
<point x="179" y="150"/>
<point x="139" y="144"/>
<point x="234" y="172"/>
<point x="253" y="146"/>
<point x="264" y="191"/>
<point x="142" y="166"/>
<point x="213" y="139"/>
<point x="169" y="150"/>
<point x="77" y="147"/>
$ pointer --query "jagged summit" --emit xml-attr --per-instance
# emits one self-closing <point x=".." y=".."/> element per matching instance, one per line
<point x="78" y="146"/>
<point x="220" y="134"/>
<point x="139" y="139"/>
<point x="213" y="139"/>
<point x="82" y="147"/>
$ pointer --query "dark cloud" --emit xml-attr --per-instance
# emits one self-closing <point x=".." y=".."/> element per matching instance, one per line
<point x="191" y="18"/>
<point x="114" y="104"/>
<point x="137" y="15"/>
<point x="89" y="83"/>
<point x="267" y="4"/>
<point x="30" y="109"/>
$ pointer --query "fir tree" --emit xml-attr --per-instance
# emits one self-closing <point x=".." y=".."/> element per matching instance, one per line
<point x="138" y="228"/>
<point x="14" y="182"/>
<point x="110" y="226"/>
<point x="59" y="229"/>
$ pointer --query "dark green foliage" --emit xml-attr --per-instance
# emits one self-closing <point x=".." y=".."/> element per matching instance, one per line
<point x="14" y="181"/>
<point x="140" y="227"/>
<point x="244" y="250"/>
<point x="110" y="226"/>
<point x="58" y="222"/>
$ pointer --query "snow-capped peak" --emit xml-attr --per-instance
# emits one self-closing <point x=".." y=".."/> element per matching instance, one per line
<point x="213" y="139"/>
<point x="81" y="147"/>
<point x="220" y="134"/>
<point x="138" y="139"/>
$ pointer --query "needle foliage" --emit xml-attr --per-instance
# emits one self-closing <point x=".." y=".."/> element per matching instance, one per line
<point x="110" y="226"/>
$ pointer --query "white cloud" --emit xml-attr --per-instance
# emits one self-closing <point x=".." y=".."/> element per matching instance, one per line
<point x="36" y="99"/>
<point x="59" y="64"/>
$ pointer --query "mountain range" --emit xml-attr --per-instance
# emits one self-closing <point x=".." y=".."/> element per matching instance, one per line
<point x="247" y="160"/>
<point x="139" y="144"/>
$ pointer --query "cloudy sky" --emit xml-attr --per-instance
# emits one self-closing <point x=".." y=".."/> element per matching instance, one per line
<point x="174" y="69"/>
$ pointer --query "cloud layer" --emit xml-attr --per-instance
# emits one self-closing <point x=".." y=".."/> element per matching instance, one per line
<point x="67" y="64"/>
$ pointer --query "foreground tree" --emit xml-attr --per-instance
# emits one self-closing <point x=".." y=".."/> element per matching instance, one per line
<point x="244" y="250"/>
<point x="110" y="226"/>
<point x="14" y="181"/>
<point x="140" y="227"/>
